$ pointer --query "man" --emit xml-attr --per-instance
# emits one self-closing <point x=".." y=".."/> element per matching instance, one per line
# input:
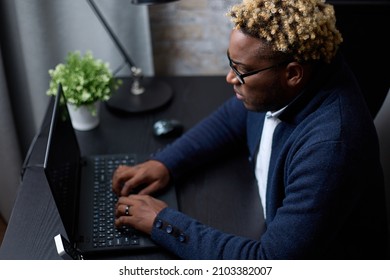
<point x="315" y="153"/>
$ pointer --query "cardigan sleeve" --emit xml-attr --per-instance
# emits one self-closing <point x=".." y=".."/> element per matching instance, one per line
<point x="187" y="238"/>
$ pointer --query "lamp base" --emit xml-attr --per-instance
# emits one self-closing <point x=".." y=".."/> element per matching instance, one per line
<point x="157" y="94"/>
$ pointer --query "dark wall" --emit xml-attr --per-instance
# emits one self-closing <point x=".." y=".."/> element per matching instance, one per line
<point x="365" y="26"/>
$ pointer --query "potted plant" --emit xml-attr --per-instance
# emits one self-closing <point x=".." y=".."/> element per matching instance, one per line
<point x="85" y="82"/>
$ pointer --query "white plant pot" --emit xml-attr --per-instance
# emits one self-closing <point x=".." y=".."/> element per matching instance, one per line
<point x="82" y="118"/>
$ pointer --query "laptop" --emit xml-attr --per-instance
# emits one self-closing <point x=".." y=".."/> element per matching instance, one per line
<point x="81" y="188"/>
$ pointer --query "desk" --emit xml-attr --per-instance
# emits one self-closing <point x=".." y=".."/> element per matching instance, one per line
<point x="222" y="195"/>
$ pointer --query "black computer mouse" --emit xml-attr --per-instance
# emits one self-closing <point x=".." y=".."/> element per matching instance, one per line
<point x="167" y="128"/>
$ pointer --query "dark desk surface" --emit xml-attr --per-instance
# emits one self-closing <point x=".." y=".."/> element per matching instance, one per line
<point x="222" y="194"/>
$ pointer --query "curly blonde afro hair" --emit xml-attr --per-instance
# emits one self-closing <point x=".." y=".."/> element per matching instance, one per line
<point x="302" y="29"/>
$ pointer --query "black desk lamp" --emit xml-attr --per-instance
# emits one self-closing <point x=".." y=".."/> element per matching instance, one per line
<point x="141" y="94"/>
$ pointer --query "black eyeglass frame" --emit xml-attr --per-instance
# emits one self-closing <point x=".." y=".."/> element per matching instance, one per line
<point x="241" y="76"/>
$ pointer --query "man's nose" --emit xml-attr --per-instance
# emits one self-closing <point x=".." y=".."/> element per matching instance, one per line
<point x="231" y="77"/>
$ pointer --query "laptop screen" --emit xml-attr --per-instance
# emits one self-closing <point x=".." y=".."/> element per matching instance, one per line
<point x="62" y="164"/>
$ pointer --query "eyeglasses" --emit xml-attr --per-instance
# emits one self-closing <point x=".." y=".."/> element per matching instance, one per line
<point x="241" y="76"/>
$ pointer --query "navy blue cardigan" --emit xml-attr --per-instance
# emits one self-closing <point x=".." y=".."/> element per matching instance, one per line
<point x="325" y="195"/>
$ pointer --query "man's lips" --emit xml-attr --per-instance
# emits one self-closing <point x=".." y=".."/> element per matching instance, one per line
<point x="238" y="95"/>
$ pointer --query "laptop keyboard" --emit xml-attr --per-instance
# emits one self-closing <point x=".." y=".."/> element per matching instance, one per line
<point x="105" y="234"/>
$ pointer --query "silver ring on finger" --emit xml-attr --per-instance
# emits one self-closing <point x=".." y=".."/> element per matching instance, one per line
<point x="127" y="210"/>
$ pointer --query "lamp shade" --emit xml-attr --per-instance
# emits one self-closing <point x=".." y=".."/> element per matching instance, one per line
<point x="150" y="2"/>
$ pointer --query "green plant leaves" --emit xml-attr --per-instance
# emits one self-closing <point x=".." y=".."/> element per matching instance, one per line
<point x="84" y="79"/>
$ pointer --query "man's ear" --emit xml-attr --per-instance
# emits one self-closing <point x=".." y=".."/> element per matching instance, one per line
<point x="294" y="74"/>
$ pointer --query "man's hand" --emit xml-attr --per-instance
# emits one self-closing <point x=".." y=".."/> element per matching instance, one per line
<point x="138" y="211"/>
<point x="152" y="174"/>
